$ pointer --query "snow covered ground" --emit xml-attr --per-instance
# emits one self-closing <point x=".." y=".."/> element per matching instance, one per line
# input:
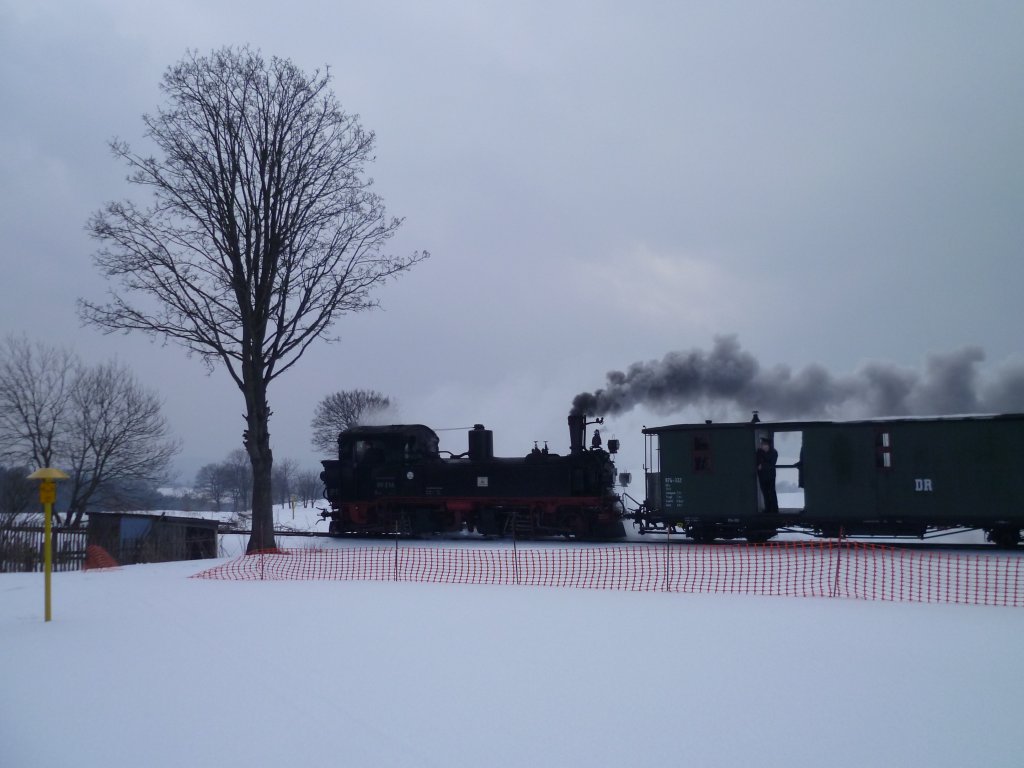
<point x="143" y="666"/>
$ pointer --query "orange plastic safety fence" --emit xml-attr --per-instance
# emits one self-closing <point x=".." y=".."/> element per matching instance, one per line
<point x="97" y="557"/>
<point x="800" y="569"/>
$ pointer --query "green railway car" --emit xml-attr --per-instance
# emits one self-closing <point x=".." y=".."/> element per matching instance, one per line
<point x="885" y="477"/>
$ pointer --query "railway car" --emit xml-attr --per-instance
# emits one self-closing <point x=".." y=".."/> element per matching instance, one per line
<point x="885" y="477"/>
<point x="394" y="479"/>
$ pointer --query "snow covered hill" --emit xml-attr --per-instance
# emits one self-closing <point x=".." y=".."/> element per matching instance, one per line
<point x="143" y="666"/>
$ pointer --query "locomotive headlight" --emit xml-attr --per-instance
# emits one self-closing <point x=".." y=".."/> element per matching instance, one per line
<point x="409" y="475"/>
<point x="613" y="446"/>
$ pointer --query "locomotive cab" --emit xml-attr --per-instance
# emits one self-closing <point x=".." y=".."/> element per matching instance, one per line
<point x="364" y="446"/>
<point x="375" y="462"/>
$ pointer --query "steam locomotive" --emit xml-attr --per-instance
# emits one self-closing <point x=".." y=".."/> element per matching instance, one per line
<point x="395" y="480"/>
<point x="914" y="477"/>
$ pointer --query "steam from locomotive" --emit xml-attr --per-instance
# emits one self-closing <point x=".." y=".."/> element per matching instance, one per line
<point x="727" y="374"/>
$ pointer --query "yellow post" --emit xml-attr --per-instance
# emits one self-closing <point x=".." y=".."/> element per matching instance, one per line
<point x="48" y="478"/>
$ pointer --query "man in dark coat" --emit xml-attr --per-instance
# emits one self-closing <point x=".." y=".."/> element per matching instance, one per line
<point x="766" y="459"/>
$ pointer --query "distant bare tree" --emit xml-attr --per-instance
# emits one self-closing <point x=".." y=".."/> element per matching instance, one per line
<point x="284" y="478"/>
<point x="212" y="483"/>
<point x="263" y="231"/>
<point x="19" y="508"/>
<point x="116" y="434"/>
<point x="239" y="479"/>
<point x="97" y="424"/>
<point x="36" y="383"/>
<point x="309" y="487"/>
<point x="18" y="496"/>
<point x="343" y="410"/>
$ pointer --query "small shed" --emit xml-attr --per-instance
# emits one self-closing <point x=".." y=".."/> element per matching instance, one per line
<point x="136" y="537"/>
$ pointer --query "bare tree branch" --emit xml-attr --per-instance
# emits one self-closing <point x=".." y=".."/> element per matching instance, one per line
<point x="343" y="410"/>
<point x="262" y="232"/>
<point x="116" y="432"/>
<point x="98" y="424"/>
<point x="35" y="390"/>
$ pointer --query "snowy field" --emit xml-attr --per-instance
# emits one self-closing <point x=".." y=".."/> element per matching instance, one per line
<point x="143" y="666"/>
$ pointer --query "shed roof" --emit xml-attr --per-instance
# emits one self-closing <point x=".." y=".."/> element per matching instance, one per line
<point x="173" y="519"/>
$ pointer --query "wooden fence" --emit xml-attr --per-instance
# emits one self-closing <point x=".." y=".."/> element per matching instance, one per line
<point x="21" y="549"/>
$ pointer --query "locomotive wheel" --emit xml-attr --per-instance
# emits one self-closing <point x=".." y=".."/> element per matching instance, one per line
<point x="759" y="537"/>
<point x="1004" y="537"/>
<point x="703" y="535"/>
<point x="580" y="526"/>
<point x="490" y="523"/>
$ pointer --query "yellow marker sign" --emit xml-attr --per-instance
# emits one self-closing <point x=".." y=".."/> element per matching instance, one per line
<point x="47" y="477"/>
<point x="48" y="492"/>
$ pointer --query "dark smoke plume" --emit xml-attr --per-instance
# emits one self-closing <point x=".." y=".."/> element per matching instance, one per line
<point x="950" y="384"/>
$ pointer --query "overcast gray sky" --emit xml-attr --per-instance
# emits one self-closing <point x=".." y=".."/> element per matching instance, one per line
<point x="599" y="183"/>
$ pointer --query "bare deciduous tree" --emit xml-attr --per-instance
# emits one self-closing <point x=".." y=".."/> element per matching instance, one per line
<point x="237" y="470"/>
<point x="263" y="231"/>
<point x="212" y="483"/>
<point x="115" y="433"/>
<point x="35" y="389"/>
<point x="343" y="410"/>
<point x="309" y="487"/>
<point x="98" y="424"/>
<point x="284" y="478"/>
<point x="18" y="497"/>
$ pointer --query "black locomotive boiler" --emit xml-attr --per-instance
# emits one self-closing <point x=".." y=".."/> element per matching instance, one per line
<point x="394" y="479"/>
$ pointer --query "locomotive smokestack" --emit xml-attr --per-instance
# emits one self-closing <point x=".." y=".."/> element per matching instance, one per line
<point x="577" y="428"/>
